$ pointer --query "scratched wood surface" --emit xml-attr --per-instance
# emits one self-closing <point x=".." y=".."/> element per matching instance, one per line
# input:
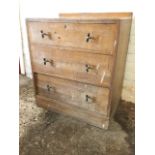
<point x="125" y="20"/>
<point x="86" y="96"/>
<point x="72" y="64"/>
<point x="92" y="118"/>
<point x="99" y="38"/>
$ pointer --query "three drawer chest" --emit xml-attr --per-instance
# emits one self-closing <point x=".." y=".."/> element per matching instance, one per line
<point x="78" y="63"/>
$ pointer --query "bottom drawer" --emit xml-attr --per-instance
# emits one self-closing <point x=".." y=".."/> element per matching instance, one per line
<point x="88" y="97"/>
<point x="92" y="118"/>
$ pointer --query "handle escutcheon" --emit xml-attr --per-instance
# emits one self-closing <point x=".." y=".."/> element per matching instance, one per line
<point x="89" y="67"/>
<point x="89" y="98"/>
<point x="89" y="37"/>
<point x="45" y="60"/>
<point x="45" y="34"/>
<point x="49" y="88"/>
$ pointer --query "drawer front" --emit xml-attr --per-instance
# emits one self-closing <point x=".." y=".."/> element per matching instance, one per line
<point x="74" y="65"/>
<point x="97" y="38"/>
<point x="86" y="96"/>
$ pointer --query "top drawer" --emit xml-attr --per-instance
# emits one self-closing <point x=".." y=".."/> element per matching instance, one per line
<point x="95" y="36"/>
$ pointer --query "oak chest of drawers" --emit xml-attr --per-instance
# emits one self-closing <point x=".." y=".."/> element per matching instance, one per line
<point x="74" y="65"/>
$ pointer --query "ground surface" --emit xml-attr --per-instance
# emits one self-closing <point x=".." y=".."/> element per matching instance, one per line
<point x="47" y="133"/>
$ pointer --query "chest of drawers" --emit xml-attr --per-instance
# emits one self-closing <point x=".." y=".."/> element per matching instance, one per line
<point x="74" y="65"/>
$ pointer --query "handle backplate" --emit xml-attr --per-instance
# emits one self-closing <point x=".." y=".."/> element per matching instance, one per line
<point x="48" y="34"/>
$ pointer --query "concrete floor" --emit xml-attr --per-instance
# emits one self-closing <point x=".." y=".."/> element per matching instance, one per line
<point x="47" y="133"/>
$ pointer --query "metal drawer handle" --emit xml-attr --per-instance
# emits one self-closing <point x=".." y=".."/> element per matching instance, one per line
<point x="89" y="37"/>
<point x="46" y="60"/>
<point x="89" y="98"/>
<point x="45" y="34"/>
<point x="49" y="88"/>
<point x="88" y="67"/>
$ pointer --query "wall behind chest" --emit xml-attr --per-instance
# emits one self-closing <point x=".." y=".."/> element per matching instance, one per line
<point x="51" y="9"/>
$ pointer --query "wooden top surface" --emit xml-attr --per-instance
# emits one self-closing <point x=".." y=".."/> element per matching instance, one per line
<point x="62" y="20"/>
<point x="112" y="15"/>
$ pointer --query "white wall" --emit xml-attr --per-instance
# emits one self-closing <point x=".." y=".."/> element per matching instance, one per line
<point x="52" y="8"/>
<point x="128" y="91"/>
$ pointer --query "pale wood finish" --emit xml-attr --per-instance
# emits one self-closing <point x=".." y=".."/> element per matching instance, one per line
<point x="72" y="64"/>
<point x="74" y="111"/>
<point x="124" y="34"/>
<point x="61" y="52"/>
<point x="97" y="16"/>
<point x="74" y="35"/>
<point x="71" y="92"/>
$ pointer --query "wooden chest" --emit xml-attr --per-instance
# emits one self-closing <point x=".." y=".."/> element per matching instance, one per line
<point x="78" y="64"/>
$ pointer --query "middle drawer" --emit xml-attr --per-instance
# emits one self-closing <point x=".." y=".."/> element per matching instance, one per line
<point x="92" y="98"/>
<point x="72" y="64"/>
